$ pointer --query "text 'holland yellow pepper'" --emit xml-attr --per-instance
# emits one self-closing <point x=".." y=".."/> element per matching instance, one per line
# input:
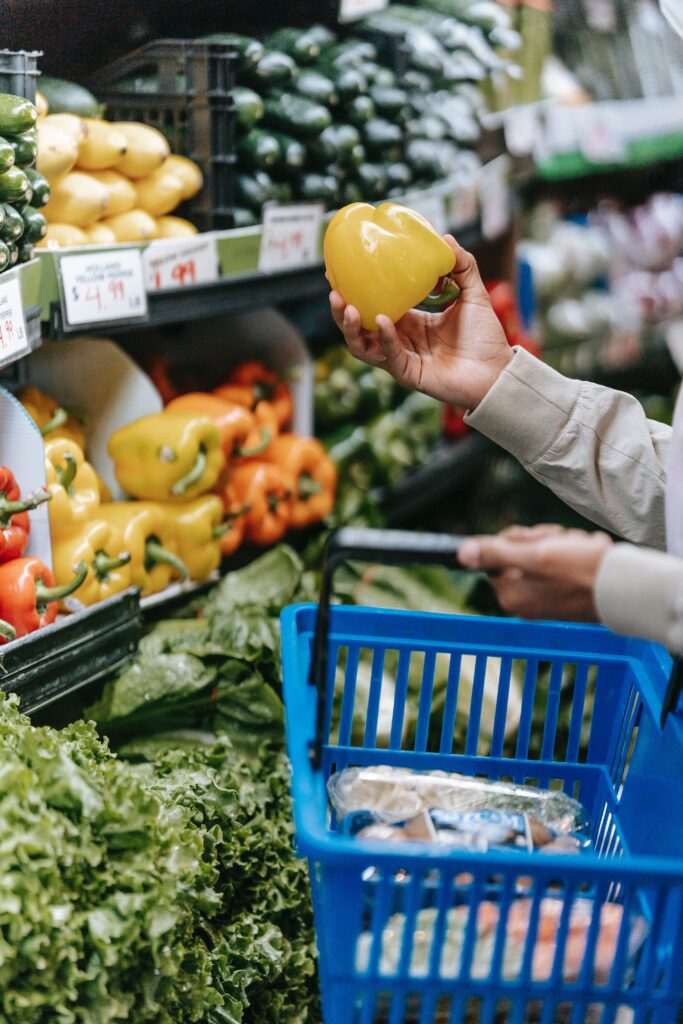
<point x="385" y="260"/>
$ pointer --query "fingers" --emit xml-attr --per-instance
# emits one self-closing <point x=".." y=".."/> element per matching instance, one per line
<point x="337" y="307"/>
<point x="364" y="345"/>
<point x="466" y="272"/>
<point x="390" y="342"/>
<point x="488" y="554"/>
<point x="537" y="532"/>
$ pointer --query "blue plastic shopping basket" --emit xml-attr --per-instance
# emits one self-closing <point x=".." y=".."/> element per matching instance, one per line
<point x="385" y="913"/>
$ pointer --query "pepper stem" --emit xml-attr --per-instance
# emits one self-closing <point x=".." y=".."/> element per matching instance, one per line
<point x="249" y="453"/>
<point x="58" y="419"/>
<point x="196" y="473"/>
<point x="229" y="519"/>
<point x="308" y="487"/>
<point x="7" y="632"/>
<point x="263" y="392"/>
<point x="157" y="554"/>
<point x="103" y="565"/>
<point x="46" y="595"/>
<point x="223" y="528"/>
<point x="276" y="499"/>
<point x="449" y="292"/>
<point x="13" y="508"/>
<point x="65" y="474"/>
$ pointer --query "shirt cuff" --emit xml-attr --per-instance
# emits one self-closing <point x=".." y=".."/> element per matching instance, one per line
<point x="639" y="592"/>
<point x="527" y="408"/>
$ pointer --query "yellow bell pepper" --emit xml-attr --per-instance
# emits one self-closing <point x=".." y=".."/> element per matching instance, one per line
<point x="50" y="417"/>
<point x="100" y="546"/>
<point x="72" y="482"/>
<point x="386" y="260"/>
<point x="167" y="456"/>
<point x="198" y="530"/>
<point x="149" y="534"/>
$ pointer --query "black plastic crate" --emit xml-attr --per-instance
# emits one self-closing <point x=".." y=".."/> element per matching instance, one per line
<point x="18" y="72"/>
<point x="183" y="88"/>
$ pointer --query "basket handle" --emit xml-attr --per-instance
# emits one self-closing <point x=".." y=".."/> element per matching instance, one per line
<point x="388" y="547"/>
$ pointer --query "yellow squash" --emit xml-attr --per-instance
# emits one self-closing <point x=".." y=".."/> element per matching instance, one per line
<point x="102" y="147"/>
<point x="71" y="124"/>
<point x="188" y="172"/>
<point x="61" y="236"/>
<point x="57" y="151"/>
<point x="159" y="193"/>
<point x="99" y="234"/>
<point x="174" y="227"/>
<point x="120" y="190"/>
<point x="134" y="226"/>
<point x="147" y="149"/>
<point x="77" y="199"/>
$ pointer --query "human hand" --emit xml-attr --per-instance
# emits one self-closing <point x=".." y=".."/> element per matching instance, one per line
<point x="541" y="572"/>
<point x="454" y="356"/>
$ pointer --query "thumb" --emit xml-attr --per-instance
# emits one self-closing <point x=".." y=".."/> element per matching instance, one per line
<point x="466" y="273"/>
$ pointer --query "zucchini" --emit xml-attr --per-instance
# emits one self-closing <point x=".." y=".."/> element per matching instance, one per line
<point x="348" y="82"/>
<point x="432" y="160"/>
<point x="383" y="77"/>
<point x="5" y="257"/>
<point x="292" y="153"/>
<point x="26" y="251"/>
<point x="335" y="144"/>
<point x="357" y="156"/>
<point x="243" y="218"/>
<point x="67" y="98"/>
<point x="382" y="138"/>
<point x="40" y="185"/>
<point x="13" y="225"/>
<point x="2" y="218"/>
<point x="297" y="115"/>
<point x="35" y="225"/>
<point x="417" y="81"/>
<point x="360" y="110"/>
<point x="255" y="189"/>
<point x="16" y="114"/>
<point x="14" y="186"/>
<point x="6" y="155"/>
<point x="303" y="45"/>
<point x="274" y="69"/>
<point x="323" y="187"/>
<point x="427" y="127"/>
<point x="372" y="181"/>
<point x="389" y="102"/>
<point x="399" y="176"/>
<point x="317" y="87"/>
<point x="351" y="54"/>
<point x="249" y="50"/>
<point x="248" y="106"/>
<point x="258" y="150"/>
<point x="13" y="253"/>
<point x="25" y="147"/>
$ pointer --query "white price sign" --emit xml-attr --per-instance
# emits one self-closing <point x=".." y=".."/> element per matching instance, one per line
<point x="101" y="287"/>
<point x="290" y="236"/>
<point x="433" y="208"/>
<point x="349" y="10"/>
<point x="495" y="199"/>
<point x="13" y="336"/>
<point x="177" y="263"/>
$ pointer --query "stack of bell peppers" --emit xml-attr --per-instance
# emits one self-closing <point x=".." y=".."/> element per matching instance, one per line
<point x="224" y="467"/>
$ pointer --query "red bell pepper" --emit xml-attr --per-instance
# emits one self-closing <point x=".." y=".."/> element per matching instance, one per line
<point x="14" y="522"/>
<point x="28" y="595"/>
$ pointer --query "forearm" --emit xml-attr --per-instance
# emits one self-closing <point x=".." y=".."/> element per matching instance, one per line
<point x="594" y="447"/>
<point x="640" y="593"/>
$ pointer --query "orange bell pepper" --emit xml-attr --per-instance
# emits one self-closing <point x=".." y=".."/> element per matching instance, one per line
<point x="251" y="383"/>
<point x="234" y="521"/>
<point x="267" y="489"/>
<point x="314" y="473"/>
<point x="241" y="434"/>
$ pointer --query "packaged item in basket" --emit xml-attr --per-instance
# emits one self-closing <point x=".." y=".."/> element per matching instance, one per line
<point x="399" y="794"/>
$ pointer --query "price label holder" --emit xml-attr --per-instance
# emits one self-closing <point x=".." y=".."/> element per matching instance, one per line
<point x="13" y="334"/>
<point x="290" y="236"/>
<point x="433" y="208"/>
<point x="494" y="191"/>
<point x="102" y="286"/>
<point x="180" y="262"/>
<point x="350" y="10"/>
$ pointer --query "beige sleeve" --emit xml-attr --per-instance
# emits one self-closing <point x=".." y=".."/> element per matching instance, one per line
<point x="639" y="592"/>
<point x="594" y="447"/>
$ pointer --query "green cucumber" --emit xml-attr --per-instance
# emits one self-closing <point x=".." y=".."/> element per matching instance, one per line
<point x="254" y="190"/>
<point x="35" y="225"/>
<point x="40" y="185"/>
<point x="317" y="87"/>
<point x="389" y="102"/>
<point x="399" y="176"/>
<point x="427" y="127"/>
<point x="25" y="147"/>
<point x="348" y="82"/>
<point x="249" y="51"/>
<point x="383" y="139"/>
<point x="357" y="156"/>
<point x="322" y="187"/>
<point x="243" y="218"/>
<point x="372" y="181"/>
<point x="351" y="54"/>
<point x="431" y="160"/>
<point x="297" y="115"/>
<point x="5" y="257"/>
<point x="303" y="45"/>
<point x="292" y="154"/>
<point x="13" y="225"/>
<point x="26" y="251"/>
<point x="13" y="253"/>
<point x="360" y="110"/>
<point x="16" y="114"/>
<point x="248" y="106"/>
<point x="417" y="81"/>
<point x="273" y="69"/>
<point x="6" y="155"/>
<point x="67" y="98"/>
<point x="335" y="144"/>
<point x="258" y="150"/>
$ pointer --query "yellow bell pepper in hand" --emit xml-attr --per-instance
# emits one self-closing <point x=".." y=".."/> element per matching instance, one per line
<point x="72" y="482"/>
<point x="386" y="260"/>
<point x="50" y="417"/>
<point x="198" y="530"/>
<point x="100" y="546"/>
<point x="149" y="534"/>
<point x="167" y="456"/>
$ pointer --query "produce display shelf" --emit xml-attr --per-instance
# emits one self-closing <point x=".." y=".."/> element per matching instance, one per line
<point x="28" y="276"/>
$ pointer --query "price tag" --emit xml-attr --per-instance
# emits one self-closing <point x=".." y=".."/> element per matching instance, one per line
<point x="464" y="207"/>
<point x="495" y="199"/>
<point x="349" y="10"/>
<point x="177" y="263"/>
<point x="433" y="208"/>
<point x="290" y="236"/>
<point x="13" y="336"/>
<point x="100" y="287"/>
<point x="601" y="140"/>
